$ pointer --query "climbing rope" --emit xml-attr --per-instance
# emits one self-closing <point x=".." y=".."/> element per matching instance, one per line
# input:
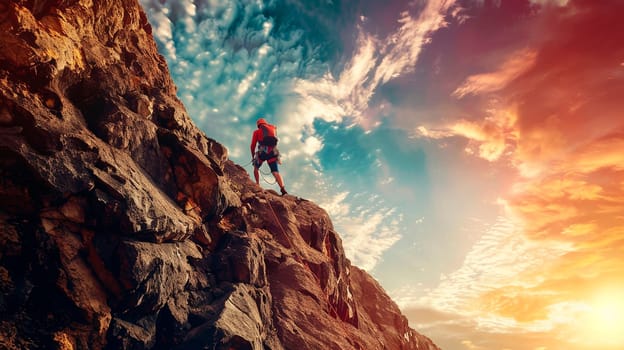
<point x="262" y="173"/>
<point x="265" y="180"/>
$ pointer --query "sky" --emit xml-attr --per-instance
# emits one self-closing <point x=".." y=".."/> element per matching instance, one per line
<point x="469" y="152"/>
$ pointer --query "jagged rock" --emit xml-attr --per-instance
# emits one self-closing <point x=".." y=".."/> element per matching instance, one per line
<point x="243" y="322"/>
<point x="122" y="226"/>
<point x="381" y="314"/>
<point x="127" y="335"/>
<point x="240" y="259"/>
<point x="154" y="273"/>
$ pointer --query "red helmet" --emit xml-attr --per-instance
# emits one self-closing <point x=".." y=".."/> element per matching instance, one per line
<point x="260" y="121"/>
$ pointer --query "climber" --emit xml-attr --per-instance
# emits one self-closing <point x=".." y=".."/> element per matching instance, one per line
<point x="266" y="139"/>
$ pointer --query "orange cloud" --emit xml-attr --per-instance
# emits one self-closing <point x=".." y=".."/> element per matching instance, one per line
<point x="607" y="152"/>
<point x="518" y="303"/>
<point x="518" y="63"/>
<point x="490" y="138"/>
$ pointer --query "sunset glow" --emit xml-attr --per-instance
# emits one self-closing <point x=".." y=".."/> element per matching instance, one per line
<point x="603" y="321"/>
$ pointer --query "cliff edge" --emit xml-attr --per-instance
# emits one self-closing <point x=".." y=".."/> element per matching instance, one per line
<point x="122" y="226"/>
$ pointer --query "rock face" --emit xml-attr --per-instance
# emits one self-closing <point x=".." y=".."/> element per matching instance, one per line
<point x="122" y="226"/>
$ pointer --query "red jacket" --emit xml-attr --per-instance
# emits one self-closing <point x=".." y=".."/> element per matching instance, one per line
<point x="256" y="137"/>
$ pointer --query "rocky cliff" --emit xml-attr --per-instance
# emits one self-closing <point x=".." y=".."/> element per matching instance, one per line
<point x="122" y="226"/>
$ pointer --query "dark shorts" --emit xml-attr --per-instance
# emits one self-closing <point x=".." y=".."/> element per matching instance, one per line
<point x="270" y="158"/>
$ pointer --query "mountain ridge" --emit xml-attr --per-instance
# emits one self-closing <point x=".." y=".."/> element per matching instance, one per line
<point x="125" y="226"/>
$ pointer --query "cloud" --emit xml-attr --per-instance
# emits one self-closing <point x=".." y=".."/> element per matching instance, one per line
<point x="405" y="45"/>
<point x="431" y="134"/>
<point x="497" y="132"/>
<point x="511" y="284"/>
<point x="518" y="63"/>
<point x="366" y="232"/>
<point x="496" y="259"/>
<point x="375" y="62"/>
<point x="491" y="137"/>
<point x="457" y="332"/>
<point x="599" y="154"/>
<point x="469" y="345"/>
<point x="551" y="2"/>
<point x="312" y="145"/>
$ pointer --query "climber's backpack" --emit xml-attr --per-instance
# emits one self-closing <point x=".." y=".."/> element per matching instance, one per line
<point x="269" y="135"/>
